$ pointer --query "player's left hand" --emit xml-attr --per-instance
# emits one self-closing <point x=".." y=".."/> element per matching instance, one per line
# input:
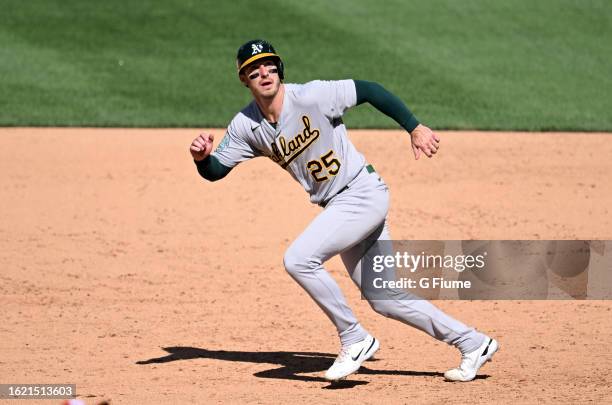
<point x="424" y="140"/>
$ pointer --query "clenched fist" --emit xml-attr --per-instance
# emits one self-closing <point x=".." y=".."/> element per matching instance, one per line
<point x="201" y="147"/>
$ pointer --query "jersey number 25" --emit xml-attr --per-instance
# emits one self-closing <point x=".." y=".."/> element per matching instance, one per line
<point x="327" y="161"/>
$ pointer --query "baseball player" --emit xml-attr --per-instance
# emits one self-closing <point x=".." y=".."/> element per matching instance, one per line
<point x="300" y="128"/>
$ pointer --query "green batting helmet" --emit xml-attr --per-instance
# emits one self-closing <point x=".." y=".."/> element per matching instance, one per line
<point x="258" y="49"/>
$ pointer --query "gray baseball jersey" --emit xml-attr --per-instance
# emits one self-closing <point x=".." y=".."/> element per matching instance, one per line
<point x="309" y="140"/>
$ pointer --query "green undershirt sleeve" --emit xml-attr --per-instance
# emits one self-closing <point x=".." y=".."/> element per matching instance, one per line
<point x="211" y="169"/>
<point x="385" y="102"/>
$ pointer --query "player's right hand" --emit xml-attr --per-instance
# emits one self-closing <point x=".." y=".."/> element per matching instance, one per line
<point x="202" y="146"/>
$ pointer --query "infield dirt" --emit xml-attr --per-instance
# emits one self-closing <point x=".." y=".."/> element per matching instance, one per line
<point x="125" y="273"/>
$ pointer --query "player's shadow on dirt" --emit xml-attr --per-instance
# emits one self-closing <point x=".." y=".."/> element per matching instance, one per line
<point x="293" y="364"/>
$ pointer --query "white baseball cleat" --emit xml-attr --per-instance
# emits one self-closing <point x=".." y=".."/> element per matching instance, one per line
<point x="350" y="358"/>
<point x="471" y="362"/>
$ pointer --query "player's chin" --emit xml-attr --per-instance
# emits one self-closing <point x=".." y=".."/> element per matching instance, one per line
<point x="268" y="91"/>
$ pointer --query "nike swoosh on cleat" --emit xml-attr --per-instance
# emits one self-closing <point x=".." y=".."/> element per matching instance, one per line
<point x="367" y="350"/>
<point x="486" y="350"/>
<point x="358" y="354"/>
<point x="372" y="344"/>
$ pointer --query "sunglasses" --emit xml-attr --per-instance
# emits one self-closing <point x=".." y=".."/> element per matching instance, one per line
<point x="272" y="69"/>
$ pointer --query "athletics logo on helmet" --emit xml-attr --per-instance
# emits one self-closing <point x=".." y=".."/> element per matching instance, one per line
<point x="258" y="49"/>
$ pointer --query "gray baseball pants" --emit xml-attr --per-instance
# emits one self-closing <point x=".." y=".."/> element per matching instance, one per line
<point x="350" y="222"/>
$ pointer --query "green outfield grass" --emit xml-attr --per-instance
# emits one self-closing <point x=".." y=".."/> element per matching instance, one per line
<point x="458" y="64"/>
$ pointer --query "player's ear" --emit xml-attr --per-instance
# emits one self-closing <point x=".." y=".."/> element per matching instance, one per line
<point x="243" y="79"/>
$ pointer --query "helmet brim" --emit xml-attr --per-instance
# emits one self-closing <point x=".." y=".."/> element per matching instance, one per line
<point x="257" y="57"/>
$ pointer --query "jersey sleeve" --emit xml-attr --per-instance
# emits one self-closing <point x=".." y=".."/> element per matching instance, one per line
<point x="235" y="147"/>
<point x="333" y="97"/>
